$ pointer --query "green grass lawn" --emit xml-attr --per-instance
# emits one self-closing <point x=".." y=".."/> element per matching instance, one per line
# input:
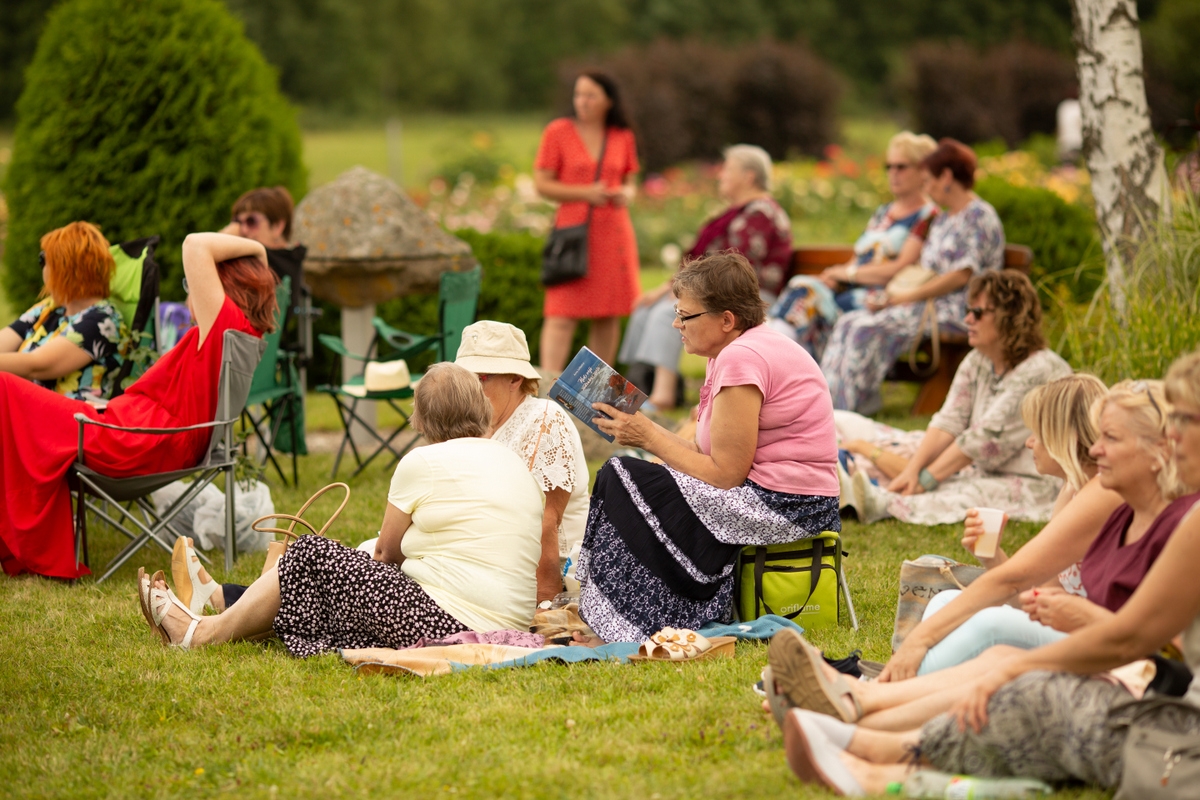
<point x="92" y="705"/>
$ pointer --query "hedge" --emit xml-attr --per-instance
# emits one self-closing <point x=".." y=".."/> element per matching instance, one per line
<point x="144" y="117"/>
<point x="1063" y="236"/>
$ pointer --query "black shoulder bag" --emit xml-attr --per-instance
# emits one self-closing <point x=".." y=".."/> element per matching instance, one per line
<point x="565" y="256"/>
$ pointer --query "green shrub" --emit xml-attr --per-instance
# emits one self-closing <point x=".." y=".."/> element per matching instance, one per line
<point x="142" y="116"/>
<point x="1063" y="236"/>
<point x="1162" y="317"/>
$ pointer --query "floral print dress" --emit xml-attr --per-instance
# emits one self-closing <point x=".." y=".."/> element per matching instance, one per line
<point x="96" y="330"/>
<point x="865" y="344"/>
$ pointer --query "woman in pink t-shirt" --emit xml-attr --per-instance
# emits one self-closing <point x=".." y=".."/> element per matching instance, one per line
<point x="661" y="539"/>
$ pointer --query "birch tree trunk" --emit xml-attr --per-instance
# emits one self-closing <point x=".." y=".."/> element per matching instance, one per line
<point x="1129" y="179"/>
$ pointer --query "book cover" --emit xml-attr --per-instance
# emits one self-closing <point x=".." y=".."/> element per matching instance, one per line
<point x="586" y="380"/>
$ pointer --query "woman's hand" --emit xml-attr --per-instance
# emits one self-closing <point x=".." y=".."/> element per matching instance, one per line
<point x="972" y="530"/>
<point x="629" y="430"/>
<point x="832" y="276"/>
<point x="1062" y="611"/>
<point x="905" y="662"/>
<point x="620" y="196"/>
<point x="653" y="296"/>
<point x="972" y="709"/>
<point x="596" y="194"/>
<point x="907" y="482"/>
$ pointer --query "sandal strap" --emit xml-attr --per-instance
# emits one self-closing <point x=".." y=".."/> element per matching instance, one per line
<point x="186" y="642"/>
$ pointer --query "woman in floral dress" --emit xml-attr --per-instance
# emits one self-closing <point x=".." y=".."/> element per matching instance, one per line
<point x="966" y="239"/>
<point x="68" y="341"/>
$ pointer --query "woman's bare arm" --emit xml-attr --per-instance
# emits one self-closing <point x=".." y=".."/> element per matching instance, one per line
<point x="201" y="254"/>
<point x="879" y="274"/>
<point x="391" y="534"/>
<point x="549" y="581"/>
<point x="54" y="359"/>
<point x="1061" y="543"/>
<point x="10" y="341"/>
<point x="548" y="186"/>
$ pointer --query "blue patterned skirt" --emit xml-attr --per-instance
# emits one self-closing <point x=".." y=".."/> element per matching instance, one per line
<point x="660" y="546"/>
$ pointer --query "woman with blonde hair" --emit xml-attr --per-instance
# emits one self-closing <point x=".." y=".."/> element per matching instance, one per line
<point x="68" y="342"/>
<point x="457" y="549"/>
<point x="1050" y="713"/>
<point x="1133" y="452"/>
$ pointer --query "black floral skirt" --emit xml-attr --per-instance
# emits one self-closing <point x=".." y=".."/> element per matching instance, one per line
<point x="660" y="546"/>
<point x="332" y="597"/>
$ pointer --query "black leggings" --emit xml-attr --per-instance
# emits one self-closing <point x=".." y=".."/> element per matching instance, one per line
<point x="233" y="591"/>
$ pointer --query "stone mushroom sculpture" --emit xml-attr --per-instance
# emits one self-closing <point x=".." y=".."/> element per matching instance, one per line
<point x="368" y="243"/>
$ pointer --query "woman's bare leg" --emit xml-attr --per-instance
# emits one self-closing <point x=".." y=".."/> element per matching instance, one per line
<point x="662" y="393"/>
<point x="251" y="616"/>
<point x="557" y="333"/>
<point x="604" y="337"/>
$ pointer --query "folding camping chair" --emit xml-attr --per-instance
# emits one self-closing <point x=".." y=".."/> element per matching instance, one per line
<point x="458" y="299"/>
<point x="134" y="292"/>
<point x="240" y="357"/>
<point x="276" y="388"/>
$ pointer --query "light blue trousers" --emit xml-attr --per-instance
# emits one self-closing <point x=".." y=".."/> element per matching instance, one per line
<point x="989" y="627"/>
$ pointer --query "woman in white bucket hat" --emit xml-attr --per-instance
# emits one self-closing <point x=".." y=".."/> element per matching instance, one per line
<point x="537" y="430"/>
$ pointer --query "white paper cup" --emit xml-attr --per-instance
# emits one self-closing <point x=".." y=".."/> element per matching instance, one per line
<point x="993" y="521"/>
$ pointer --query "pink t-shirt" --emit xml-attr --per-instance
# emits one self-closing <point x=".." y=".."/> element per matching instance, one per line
<point x="797" y="443"/>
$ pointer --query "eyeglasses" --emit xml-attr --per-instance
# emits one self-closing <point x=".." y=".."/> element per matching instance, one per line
<point x="186" y="290"/>
<point x="42" y="259"/>
<point x="897" y="167"/>
<point x="251" y="220"/>
<point x="1177" y="419"/>
<point x="1142" y="386"/>
<point x="687" y="317"/>
<point x="978" y="311"/>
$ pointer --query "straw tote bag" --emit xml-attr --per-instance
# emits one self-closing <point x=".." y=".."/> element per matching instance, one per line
<point x="277" y="548"/>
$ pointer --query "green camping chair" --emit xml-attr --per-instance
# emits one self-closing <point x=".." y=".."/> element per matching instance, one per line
<point x="276" y="389"/>
<point x="458" y="299"/>
<point x="134" y="292"/>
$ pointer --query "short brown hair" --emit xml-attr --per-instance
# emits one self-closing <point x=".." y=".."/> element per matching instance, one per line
<point x="449" y="403"/>
<point x="1018" y="311"/>
<point x="79" y="262"/>
<point x="955" y="156"/>
<point x="273" y="202"/>
<point x="723" y="281"/>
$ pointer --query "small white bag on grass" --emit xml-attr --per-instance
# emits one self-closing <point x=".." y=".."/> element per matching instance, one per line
<point x="249" y="505"/>
<point x="184" y="521"/>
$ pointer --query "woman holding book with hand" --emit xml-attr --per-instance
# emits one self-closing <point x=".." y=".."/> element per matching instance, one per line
<point x="662" y="539"/>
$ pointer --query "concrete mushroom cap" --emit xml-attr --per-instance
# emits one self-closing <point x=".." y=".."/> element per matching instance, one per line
<point x="368" y="242"/>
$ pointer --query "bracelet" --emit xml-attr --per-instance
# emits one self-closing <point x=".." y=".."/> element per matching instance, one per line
<point x="927" y="481"/>
<point x="851" y="272"/>
<point x="875" y="454"/>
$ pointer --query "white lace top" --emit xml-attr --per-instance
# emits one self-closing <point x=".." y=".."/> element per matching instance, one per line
<point x="559" y="463"/>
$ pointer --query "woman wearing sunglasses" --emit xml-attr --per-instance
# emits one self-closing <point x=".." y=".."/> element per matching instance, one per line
<point x="964" y="240"/>
<point x="68" y="341"/>
<point x="973" y="454"/>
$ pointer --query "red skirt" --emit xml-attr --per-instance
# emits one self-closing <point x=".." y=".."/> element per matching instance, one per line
<point x="38" y="444"/>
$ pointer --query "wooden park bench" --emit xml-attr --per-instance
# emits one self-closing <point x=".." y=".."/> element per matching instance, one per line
<point x="813" y="259"/>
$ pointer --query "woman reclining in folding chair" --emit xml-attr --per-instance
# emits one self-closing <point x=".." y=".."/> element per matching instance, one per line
<point x="231" y="288"/>
<point x="68" y="341"/>
<point x="457" y="551"/>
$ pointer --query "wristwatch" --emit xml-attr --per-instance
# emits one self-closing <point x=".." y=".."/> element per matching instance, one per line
<point x="545" y="605"/>
<point x="852" y="273"/>
<point x="927" y="481"/>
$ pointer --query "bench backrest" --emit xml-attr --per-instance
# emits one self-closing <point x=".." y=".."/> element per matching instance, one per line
<point x="812" y="259"/>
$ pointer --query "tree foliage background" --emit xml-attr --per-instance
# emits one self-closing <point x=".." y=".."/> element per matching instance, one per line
<point x="148" y="113"/>
<point x="370" y="56"/>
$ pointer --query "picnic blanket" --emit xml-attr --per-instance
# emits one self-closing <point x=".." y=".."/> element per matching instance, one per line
<point x="445" y="659"/>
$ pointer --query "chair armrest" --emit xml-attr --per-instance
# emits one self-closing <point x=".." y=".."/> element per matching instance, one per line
<point x="408" y="344"/>
<point x="84" y="419"/>
<point x="335" y="344"/>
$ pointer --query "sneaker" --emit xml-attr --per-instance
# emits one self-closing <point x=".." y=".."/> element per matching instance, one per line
<point x="872" y="501"/>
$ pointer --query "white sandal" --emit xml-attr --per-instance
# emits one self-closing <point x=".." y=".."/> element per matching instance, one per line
<point x="160" y="603"/>
<point x="186" y="571"/>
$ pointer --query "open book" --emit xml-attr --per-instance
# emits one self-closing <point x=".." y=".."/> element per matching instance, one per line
<point x="586" y="380"/>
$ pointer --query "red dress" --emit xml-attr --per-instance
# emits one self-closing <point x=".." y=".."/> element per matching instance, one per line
<point x="611" y="286"/>
<point x="39" y="436"/>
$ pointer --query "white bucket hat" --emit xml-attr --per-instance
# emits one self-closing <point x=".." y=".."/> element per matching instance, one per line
<point x="495" y="348"/>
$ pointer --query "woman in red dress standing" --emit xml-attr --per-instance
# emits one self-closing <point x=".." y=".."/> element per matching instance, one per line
<point x="565" y="171"/>
<point x="230" y="287"/>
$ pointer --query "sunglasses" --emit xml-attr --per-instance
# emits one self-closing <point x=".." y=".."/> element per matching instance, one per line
<point x="251" y="220"/>
<point x="897" y="167"/>
<point x="1142" y="386"/>
<point x="978" y="311"/>
<point x="683" y="318"/>
<point x="186" y="290"/>
<point x="42" y="259"/>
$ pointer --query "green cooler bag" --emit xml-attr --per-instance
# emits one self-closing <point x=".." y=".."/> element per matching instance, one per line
<point x="798" y="580"/>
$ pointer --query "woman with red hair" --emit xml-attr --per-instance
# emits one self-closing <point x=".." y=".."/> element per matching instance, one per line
<point x="68" y="341"/>
<point x="230" y="287"/>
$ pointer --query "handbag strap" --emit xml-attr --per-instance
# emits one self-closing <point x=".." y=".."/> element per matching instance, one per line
<point x="599" y="165"/>
<point x="928" y="315"/>
<point x="814" y="576"/>
<point x="947" y="571"/>
<point x="541" y="430"/>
